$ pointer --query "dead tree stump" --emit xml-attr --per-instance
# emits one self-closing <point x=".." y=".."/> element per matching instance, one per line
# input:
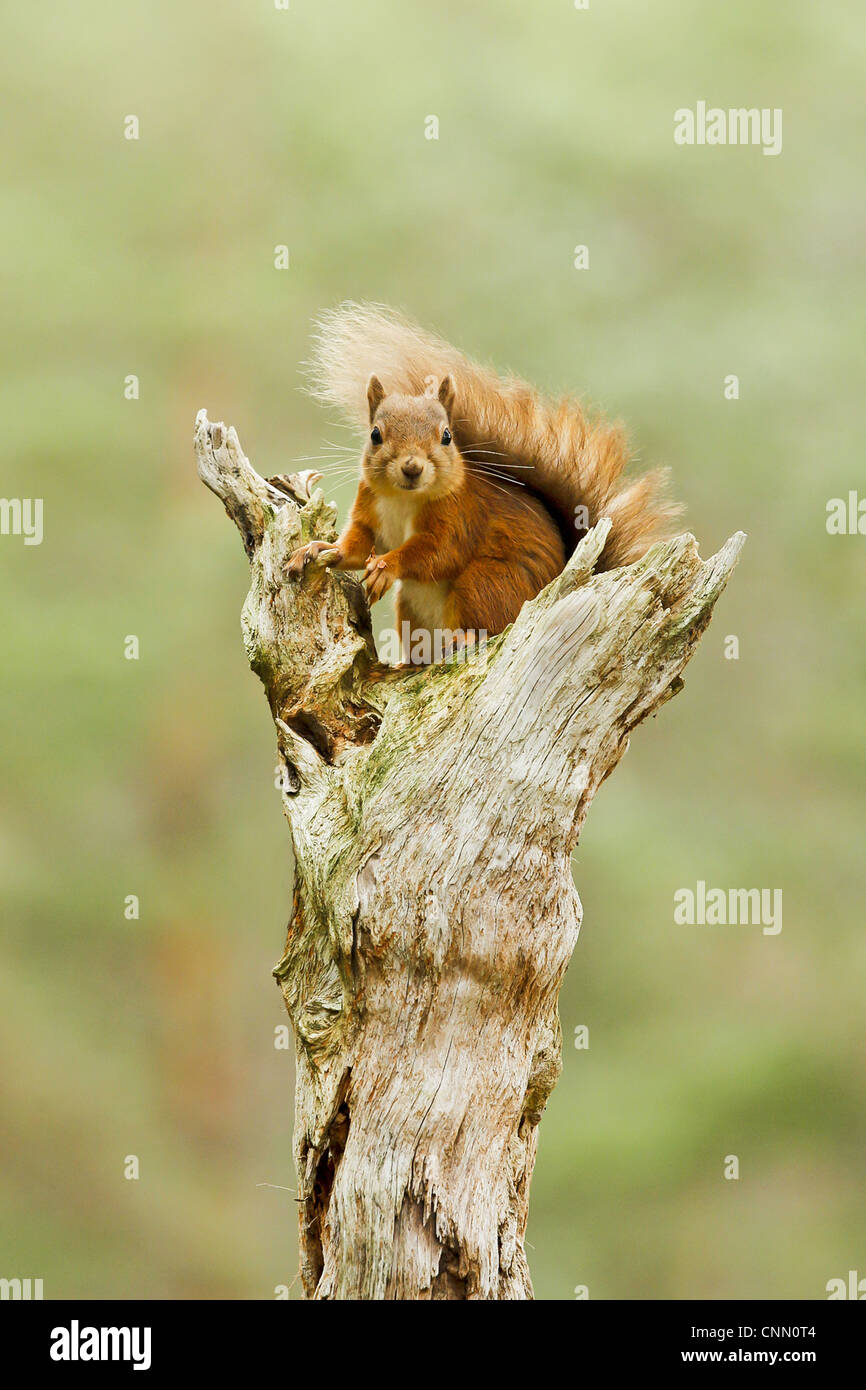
<point x="432" y="816"/>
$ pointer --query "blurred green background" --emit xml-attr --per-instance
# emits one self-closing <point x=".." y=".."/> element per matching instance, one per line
<point x="155" y="257"/>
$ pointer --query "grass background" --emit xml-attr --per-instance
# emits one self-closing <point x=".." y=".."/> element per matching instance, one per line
<point x="260" y="127"/>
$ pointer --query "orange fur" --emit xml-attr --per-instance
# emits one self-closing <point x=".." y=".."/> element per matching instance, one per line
<point x="503" y="423"/>
<point x="469" y="483"/>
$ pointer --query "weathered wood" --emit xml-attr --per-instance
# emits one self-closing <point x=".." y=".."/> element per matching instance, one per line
<point x="433" y="815"/>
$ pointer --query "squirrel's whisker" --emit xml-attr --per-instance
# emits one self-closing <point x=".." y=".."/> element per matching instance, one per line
<point x="486" y="473"/>
<point x="519" y="500"/>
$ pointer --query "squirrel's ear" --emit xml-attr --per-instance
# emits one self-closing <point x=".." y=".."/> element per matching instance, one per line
<point x="375" y="395"/>
<point x="446" y="394"/>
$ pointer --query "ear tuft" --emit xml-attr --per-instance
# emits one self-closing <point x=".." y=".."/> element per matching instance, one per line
<point x="446" y="394"/>
<point x="375" y="395"/>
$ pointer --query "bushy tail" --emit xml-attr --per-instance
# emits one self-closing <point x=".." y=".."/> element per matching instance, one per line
<point x="503" y="424"/>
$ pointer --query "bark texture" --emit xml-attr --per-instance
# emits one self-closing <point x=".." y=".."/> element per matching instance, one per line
<point x="433" y="815"/>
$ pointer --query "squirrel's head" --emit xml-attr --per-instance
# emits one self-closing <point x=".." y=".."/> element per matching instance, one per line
<point x="410" y="447"/>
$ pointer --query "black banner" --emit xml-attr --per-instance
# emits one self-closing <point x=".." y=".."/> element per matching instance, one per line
<point x="66" y="1338"/>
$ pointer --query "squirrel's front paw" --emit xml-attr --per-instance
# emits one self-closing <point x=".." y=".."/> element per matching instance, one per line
<point x="313" y="553"/>
<point x="378" y="577"/>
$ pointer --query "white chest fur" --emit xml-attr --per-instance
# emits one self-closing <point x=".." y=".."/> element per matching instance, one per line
<point x="426" y="603"/>
<point x="395" y="523"/>
<point x="395" y="517"/>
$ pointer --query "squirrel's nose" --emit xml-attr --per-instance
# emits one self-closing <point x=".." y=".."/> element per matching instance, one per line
<point x="411" y="468"/>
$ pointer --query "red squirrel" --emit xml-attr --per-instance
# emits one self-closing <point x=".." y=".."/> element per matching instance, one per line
<point x="473" y="489"/>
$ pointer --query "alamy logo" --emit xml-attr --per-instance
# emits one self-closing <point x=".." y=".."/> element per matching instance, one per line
<point x="21" y="1289"/>
<point x="75" y="1343"/>
<point x="419" y="647"/>
<point x="846" y="517"/>
<point x="718" y="907"/>
<point x="711" y="125"/>
<point x="22" y="516"/>
<point x="855" y="1287"/>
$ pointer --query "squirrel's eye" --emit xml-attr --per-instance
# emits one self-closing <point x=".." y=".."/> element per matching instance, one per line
<point x="376" y="435"/>
<point x="446" y="437"/>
